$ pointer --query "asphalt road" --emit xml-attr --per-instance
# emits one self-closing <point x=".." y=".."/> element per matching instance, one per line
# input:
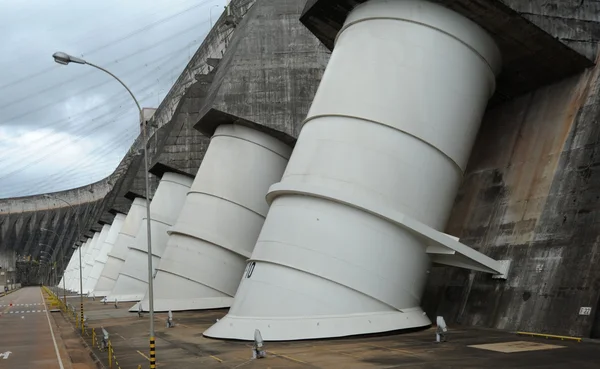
<point x="26" y="338"/>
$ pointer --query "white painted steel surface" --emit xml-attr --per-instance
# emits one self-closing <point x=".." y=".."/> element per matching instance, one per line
<point x="91" y="261"/>
<point x="102" y="258"/>
<point x="220" y="221"/>
<point x="88" y="262"/>
<point x="68" y="270"/>
<point x="166" y="204"/>
<point x="94" y="273"/>
<point x="116" y="257"/>
<point x="390" y="131"/>
<point x="69" y="273"/>
<point x="74" y="265"/>
<point x="85" y="257"/>
<point x="73" y="284"/>
<point x="79" y="264"/>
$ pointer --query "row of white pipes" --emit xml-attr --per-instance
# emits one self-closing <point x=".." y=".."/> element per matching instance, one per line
<point x="314" y="243"/>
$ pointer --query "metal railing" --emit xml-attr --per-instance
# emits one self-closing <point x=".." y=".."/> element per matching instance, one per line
<point x="100" y="342"/>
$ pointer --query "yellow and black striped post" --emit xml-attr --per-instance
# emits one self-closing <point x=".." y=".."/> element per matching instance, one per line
<point x="152" y="353"/>
<point x="82" y="328"/>
<point x="110" y="356"/>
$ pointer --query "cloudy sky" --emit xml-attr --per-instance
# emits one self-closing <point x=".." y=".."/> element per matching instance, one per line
<point x="66" y="126"/>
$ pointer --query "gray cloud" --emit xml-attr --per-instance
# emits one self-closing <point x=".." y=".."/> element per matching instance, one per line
<point x="66" y="126"/>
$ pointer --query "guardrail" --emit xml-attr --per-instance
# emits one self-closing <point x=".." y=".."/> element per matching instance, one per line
<point x="550" y="336"/>
<point x="102" y="343"/>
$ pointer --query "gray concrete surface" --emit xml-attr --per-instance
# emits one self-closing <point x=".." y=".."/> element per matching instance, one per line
<point x="184" y="347"/>
<point x="25" y="333"/>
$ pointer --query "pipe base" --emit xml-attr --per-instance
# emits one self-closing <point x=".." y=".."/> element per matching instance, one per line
<point x="317" y="327"/>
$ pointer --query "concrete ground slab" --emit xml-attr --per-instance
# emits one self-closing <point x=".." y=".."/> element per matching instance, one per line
<point x="516" y="346"/>
<point x="184" y="347"/>
<point x="30" y="337"/>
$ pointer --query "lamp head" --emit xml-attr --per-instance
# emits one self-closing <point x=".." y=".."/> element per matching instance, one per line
<point x="64" y="59"/>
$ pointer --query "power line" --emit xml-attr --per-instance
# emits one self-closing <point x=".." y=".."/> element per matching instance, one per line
<point x="46" y="154"/>
<point x="121" y="93"/>
<point x="63" y="122"/>
<point x="139" y="30"/>
<point x="29" y="112"/>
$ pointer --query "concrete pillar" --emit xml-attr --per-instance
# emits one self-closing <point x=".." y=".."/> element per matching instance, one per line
<point x="388" y="136"/>
<point x="218" y="226"/>
<point x="132" y="281"/>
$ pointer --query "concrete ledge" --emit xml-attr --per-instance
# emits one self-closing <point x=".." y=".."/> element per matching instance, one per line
<point x="159" y="169"/>
<point x="208" y="123"/>
<point x="131" y="195"/>
<point x="531" y="57"/>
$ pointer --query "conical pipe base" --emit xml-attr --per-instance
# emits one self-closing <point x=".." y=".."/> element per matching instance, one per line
<point x="315" y="327"/>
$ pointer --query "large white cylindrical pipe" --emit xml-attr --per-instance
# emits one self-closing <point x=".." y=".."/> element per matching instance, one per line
<point x="218" y="226"/>
<point x="73" y="284"/>
<point x="91" y="261"/>
<point x="96" y="269"/>
<point x="390" y="132"/>
<point x="102" y="257"/>
<point x="74" y="278"/>
<point x="87" y="262"/>
<point x="67" y="271"/>
<point x="116" y="257"/>
<point x="132" y="282"/>
<point x="70" y="267"/>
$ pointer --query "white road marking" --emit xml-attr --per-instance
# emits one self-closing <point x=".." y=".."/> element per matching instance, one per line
<point x="52" y="332"/>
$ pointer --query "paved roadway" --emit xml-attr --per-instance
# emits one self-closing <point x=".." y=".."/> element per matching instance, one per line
<point x="27" y="332"/>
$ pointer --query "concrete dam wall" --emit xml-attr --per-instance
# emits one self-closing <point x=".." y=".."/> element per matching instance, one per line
<point x="529" y="193"/>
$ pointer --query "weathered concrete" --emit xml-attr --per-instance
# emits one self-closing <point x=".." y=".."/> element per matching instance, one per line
<point x="269" y="74"/>
<point x="576" y="23"/>
<point x="525" y="47"/>
<point x="183" y="347"/>
<point x="530" y="195"/>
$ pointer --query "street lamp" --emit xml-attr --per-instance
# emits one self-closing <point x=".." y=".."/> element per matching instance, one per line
<point x="65" y="59"/>
<point x="49" y="276"/>
<point x="64" y="282"/>
<point x="80" y="267"/>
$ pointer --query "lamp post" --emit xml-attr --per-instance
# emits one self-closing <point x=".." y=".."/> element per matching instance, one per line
<point x="80" y="266"/>
<point x="50" y="271"/>
<point x="65" y="59"/>
<point x="46" y="256"/>
<point x="64" y="282"/>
